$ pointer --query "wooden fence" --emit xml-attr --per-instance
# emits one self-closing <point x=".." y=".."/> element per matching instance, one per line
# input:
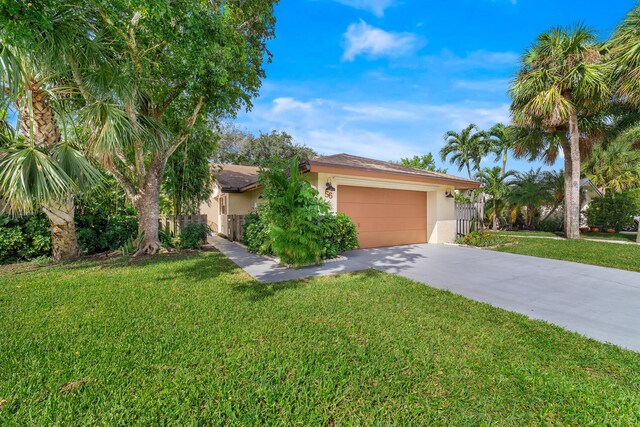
<point x="235" y="227"/>
<point x="468" y="217"/>
<point x="174" y="224"/>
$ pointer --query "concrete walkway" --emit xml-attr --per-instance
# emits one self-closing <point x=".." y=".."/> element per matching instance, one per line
<point x="601" y="303"/>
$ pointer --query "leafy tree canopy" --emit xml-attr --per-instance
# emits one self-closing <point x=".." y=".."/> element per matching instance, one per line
<point x="426" y="162"/>
<point x="240" y="147"/>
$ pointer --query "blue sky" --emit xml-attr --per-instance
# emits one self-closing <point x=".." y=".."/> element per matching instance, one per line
<point x="386" y="78"/>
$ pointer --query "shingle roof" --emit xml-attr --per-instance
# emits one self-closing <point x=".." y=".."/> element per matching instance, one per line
<point x="351" y="161"/>
<point x="235" y="178"/>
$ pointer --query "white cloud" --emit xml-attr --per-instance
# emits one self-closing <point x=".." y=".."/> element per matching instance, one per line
<point x="377" y="7"/>
<point x="385" y="130"/>
<point x="287" y="104"/>
<point x="360" y="142"/>
<point x="379" y="112"/>
<point x="476" y="60"/>
<point x="364" y="39"/>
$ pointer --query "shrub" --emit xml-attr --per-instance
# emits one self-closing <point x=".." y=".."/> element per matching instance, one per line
<point x="614" y="210"/>
<point x="337" y="231"/>
<point x="294" y="212"/>
<point x="339" y="235"/>
<point x="551" y="224"/>
<point x="38" y="234"/>
<point x="483" y="240"/>
<point x="87" y="240"/>
<point x="194" y="235"/>
<point x="256" y="233"/>
<point x="12" y="240"/>
<point x="24" y="238"/>
<point x="98" y="233"/>
<point x="118" y="230"/>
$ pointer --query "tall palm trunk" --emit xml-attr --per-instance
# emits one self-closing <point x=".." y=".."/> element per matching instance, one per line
<point x="39" y="124"/>
<point x="495" y="215"/>
<point x="504" y="162"/>
<point x="572" y="180"/>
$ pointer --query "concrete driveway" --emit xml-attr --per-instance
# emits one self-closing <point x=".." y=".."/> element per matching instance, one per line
<point x="598" y="302"/>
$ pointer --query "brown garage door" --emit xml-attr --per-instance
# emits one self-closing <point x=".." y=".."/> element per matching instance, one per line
<point x="385" y="217"/>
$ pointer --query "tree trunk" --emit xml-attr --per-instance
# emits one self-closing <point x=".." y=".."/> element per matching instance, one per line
<point x="147" y="206"/>
<point x="572" y="180"/>
<point x="63" y="230"/>
<point x="469" y="170"/>
<point x="40" y="125"/>
<point x="495" y="216"/>
<point x="504" y="162"/>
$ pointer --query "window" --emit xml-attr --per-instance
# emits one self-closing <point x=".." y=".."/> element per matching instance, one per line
<point x="223" y="205"/>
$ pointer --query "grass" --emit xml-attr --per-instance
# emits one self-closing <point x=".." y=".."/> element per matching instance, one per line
<point x="525" y="233"/>
<point x="191" y="339"/>
<point x="610" y="236"/>
<point x="626" y="257"/>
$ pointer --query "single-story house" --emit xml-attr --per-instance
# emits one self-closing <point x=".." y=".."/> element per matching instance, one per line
<point x="390" y="204"/>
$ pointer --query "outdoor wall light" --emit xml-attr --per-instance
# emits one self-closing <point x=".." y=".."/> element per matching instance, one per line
<point x="330" y="187"/>
<point x="449" y="195"/>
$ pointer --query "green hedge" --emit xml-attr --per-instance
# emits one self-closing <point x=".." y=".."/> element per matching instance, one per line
<point x="24" y="238"/>
<point x="338" y="234"/>
<point x="614" y="210"/>
<point x="29" y="237"/>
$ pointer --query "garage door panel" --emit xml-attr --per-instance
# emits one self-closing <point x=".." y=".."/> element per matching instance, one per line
<point x="385" y="217"/>
<point x="377" y="224"/>
<point x="367" y="210"/>
<point x="379" y="196"/>
<point x="391" y="238"/>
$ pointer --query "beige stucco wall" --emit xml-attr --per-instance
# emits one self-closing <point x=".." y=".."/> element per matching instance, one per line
<point x="441" y="223"/>
<point x="210" y="208"/>
<point x="237" y="204"/>
<point x="243" y="203"/>
<point x="441" y="217"/>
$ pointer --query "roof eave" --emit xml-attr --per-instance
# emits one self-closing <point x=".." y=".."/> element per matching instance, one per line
<point x="458" y="183"/>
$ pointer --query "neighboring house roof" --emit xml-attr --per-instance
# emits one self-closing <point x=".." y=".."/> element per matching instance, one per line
<point x="394" y="170"/>
<point x="586" y="183"/>
<point x="236" y="178"/>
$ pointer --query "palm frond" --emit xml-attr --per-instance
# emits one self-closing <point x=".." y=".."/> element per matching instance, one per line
<point x="30" y="178"/>
<point x="76" y="166"/>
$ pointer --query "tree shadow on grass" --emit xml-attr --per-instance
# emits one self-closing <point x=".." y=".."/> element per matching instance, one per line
<point x="190" y="265"/>
<point x="257" y="291"/>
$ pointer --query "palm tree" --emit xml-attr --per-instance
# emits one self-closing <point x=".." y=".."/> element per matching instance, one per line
<point x="501" y="141"/>
<point x="553" y="183"/>
<point x="562" y="78"/>
<point x="39" y="169"/>
<point x="623" y="47"/>
<point x="614" y="166"/>
<point x="528" y="190"/>
<point x="466" y="148"/>
<point x="495" y="184"/>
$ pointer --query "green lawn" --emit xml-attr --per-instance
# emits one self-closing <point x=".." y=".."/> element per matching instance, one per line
<point x="626" y="257"/>
<point x="525" y="233"/>
<point x="610" y="236"/>
<point x="192" y="339"/>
